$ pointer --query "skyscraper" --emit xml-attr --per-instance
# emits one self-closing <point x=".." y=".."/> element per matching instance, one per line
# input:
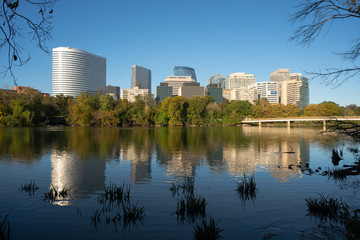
<point x="75" y="71"/>
<point x="268" y="90"/>
<point x="185" y="71"/>
<point x="295" y="92"/>
<point x="141" y="77"/>
<point x="177" y="81"/>
<point x="280" y="75"/>
<point x="293" y="89"/>
<point x="217" y="80"/>
<point x="239" y="79"/>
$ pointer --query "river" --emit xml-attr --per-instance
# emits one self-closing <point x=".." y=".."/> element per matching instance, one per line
<point x="287" y="165"/>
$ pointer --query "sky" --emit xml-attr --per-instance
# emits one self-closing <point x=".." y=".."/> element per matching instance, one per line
<point x="211" y="36"/>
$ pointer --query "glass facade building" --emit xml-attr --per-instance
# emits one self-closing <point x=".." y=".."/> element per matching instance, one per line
<point x="141" y="77"/>
<point x="163" y="91"/>
<point x="217" y="80"/>
<point x="304" y="93"/>
<point x="216" y="92"/>
<point x="75" y="71"/>
<point x="184" y="71"/>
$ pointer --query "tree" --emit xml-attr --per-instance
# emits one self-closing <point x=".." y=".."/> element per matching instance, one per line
<point x="177" y="111"/>
<point x="16" y="24"/>
<point x="196" y="112"/>
<point x="322" y="14"/>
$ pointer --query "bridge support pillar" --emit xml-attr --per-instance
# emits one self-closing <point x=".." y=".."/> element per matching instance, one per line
<point x="324" y="125"/>
<point x="288" y="124"/>
<point x="259" y="124"/>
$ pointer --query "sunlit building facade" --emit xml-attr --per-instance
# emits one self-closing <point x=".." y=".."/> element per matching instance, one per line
<point x="130" y="94"/>
<point x="237" y="80"/>
<point x="268" y="90"/>
<point x="177" y="81"/>
<point x="75" y="71"/>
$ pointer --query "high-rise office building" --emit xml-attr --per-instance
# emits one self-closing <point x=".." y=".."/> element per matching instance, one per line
<point x="215" y="91"/>
<point x="113" y="91"/>
<point x="244" y="94"/>
<point x="141" y="77"/>
<point x="177" y="81"/>
<point x="295" y="92"/>
<point x="75" y="71"/>
<point x="280" y="75"/>
<point x="185" y="71"/>
<point x="163" y="91"/>
<point x="239" y="79"/>
<point x="293" y="89"/>
<point x="304" y="93"/>
<point x="189" y="90"/>
<point x="130" y="94"/>
<point x="268" y="90"/>
<point x="217" y="80"/>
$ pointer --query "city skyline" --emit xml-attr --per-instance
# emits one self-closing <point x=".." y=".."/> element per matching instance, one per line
<point x="255" y="42"/>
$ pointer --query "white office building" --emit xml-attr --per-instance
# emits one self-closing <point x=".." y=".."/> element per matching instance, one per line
<point x="268" y="90"/>
<point x="244" y="94"/>
<point x="75" y="71"/>
<point x="130" y="94"/>
<point x="237" y="80"/>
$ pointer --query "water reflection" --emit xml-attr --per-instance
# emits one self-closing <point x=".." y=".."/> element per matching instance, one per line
<point x="79" y="156"/>
<point x="81" y="177"/>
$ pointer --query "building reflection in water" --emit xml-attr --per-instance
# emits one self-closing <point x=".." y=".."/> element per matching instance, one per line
<point x="271" y="149"/>
<point x="140" y="162"/>
<point x="82" y="176"/>
<point x="239" y="151"/>
<point x="181" y="151"/>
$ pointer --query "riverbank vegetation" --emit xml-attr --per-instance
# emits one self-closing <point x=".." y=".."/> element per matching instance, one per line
<point x="33" y="109"/>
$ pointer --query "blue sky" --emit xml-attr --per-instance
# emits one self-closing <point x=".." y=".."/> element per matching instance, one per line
<point x="211" y="36"/>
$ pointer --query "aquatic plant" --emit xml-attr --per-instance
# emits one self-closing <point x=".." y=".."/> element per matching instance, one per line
<point x="29" y="188"/>
<point x="207" y="230"/>
<point x="247" y="188"/>
<point x="132" y="214"/>
<point x="54" y="194"/>
<point x="190" y="207"/>
<point x="96" y="217"/>
<point x="335" y="211"/>
<point x="5" y="228"/>
<point x="337" y="174"/>
<point x="117" y="193"/>
<point x="325" y="208"/>
<point x="187" y="187"/>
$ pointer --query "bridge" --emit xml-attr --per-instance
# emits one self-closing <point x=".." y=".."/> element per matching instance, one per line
<point x="288" y="120"/>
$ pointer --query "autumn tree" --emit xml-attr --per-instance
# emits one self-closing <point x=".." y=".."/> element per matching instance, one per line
<point x="317" y="16"/>
<point x="196" y="112"/>
<point x="177" y="111"/>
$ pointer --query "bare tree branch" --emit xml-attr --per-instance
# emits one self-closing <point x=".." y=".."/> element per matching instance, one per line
<point x="350" y="129"/>
<point x="333" y="76"/>
<point x="38" y="25"/>
<point x="322" y="14"/>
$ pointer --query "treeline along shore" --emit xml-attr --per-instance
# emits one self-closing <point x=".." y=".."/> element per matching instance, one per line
<point x="31" y="108"/>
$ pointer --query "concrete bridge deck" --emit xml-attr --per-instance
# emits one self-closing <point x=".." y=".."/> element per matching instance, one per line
<point x="288" y="120"/>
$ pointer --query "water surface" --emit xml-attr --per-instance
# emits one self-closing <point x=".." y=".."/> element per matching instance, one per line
<point x="86" y="160"/>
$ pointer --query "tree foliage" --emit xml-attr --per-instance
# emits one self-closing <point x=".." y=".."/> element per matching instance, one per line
<point x="33" y="109"/>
